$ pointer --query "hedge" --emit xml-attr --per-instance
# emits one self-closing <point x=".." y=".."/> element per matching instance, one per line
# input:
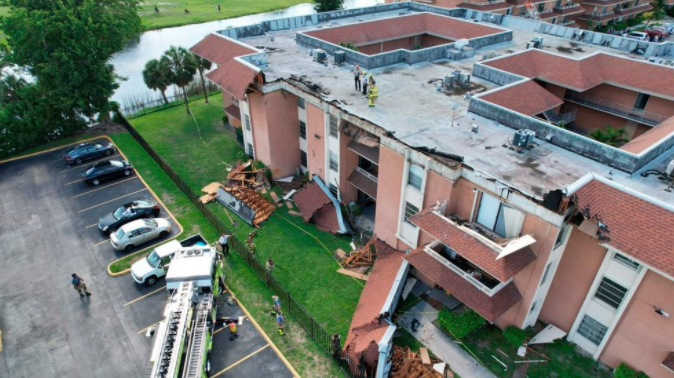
<point x="459" y="325"/>
<point x="624" y="371"/>
<point x="514" y="336"/>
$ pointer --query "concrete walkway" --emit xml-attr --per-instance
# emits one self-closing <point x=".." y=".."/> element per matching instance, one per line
<point x="442" y="346"/>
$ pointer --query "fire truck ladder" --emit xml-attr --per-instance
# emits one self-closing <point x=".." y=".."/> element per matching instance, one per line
<point x="533" y="13"/>
<point x="197" y="349"/>
<point x="166" y="364"/>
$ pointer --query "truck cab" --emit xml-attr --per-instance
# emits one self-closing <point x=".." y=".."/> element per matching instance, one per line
<point x="154" y="266"/>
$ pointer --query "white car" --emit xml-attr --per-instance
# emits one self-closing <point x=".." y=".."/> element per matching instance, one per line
<point x="151" y="268"/>
<point x="138" y="232"/>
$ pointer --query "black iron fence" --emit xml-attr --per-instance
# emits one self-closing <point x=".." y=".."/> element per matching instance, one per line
<point x="290" y="305"/>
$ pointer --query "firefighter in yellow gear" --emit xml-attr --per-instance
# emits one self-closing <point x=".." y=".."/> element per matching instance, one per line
<point x="372" y="93"/>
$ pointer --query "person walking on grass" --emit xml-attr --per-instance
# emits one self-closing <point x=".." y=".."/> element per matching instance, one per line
<point x="277" y="304"/>
<point x="224" y="245"/>
<point x="280" y="324"/>
<point x="269" y="265"/>
<point x="79" y="285"/>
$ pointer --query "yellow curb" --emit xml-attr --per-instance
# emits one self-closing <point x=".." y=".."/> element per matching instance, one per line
<point x="264" y="335"/>
<point x="53" y="149"/>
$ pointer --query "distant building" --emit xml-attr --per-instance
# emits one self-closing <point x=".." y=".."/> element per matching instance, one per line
<point x="476" y="161"/>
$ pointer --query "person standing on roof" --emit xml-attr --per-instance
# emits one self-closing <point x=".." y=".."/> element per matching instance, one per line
<point x="356" y="77"/>
<point x="79" y="285"/>
<point x="372" y="94"/>
<point x="363" y="81"/>
<point x="224" y="243"/>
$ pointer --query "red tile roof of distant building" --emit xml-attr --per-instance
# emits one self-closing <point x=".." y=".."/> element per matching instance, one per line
<point x="472" y="249"/>
<point x="219" y="49"/>
<point x="403" y="26"/>
<point x="650" y="137"/>
<point x="488" y="307"/>
<point x="527" y="98"/>
<point x="638" y="228"/>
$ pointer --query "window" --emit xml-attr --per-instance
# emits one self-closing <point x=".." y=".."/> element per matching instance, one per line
<point x="533" y="307"/>
<point x="300" y="102"/>
<point x="409" y="211"/>
<point x="626" y="261"/>
<point x="416" y="176"/>
<point x="303" y="130"/>
<point x="592" y="330"/>
<point x="560" y="237"/>
<point x="247" y="121"/>
<point x="499" y="217"/>
<point x="333" y="190"/>
<point x="545" y="274"/>
<point x="249" y="149"/>
<point x="334" y="161"/>
<point x="303" y="158"/>
<point x="334" y="129"/>
<point x="610" y="293"/>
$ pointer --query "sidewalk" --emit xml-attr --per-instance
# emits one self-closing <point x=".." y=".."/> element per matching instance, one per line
<point x="442" y="346"/>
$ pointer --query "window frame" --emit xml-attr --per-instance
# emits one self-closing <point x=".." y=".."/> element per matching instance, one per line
<point x="246" y="120"/>
<point x="410" y="175"/>
<point x="499" y="213"/>
<point x="334" y="190"/>
<point x="544" y="279"/>
<point x="408" y="214"/>
<point x="600" y="334"/>
<point x="301" y="103"/>
<point x="628" y="262"/>
<point x="303" y="130"/>
<point x="333" y="126"/>
<point x="333" y="163"/>
<point x="605" y="295"/>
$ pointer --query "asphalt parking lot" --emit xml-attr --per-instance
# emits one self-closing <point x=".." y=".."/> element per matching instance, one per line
<point x="48" y="230"/>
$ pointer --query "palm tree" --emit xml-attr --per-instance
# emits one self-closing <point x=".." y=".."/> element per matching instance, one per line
<point x="609" y="136"/>
<point x="156" y="76"/>
<point x="182" y="69"/>
<point x="203" y="65"/>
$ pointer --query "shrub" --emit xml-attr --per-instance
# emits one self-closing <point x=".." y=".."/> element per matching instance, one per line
<point x="459" y="325"/>
<point x="514" y="336"/>
<point x="225" y="120"/>
<point x="624" y="371"/>
<point x="239" y="135"/>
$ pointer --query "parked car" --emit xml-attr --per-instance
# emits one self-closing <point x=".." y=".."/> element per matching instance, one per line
<point x="148" y="270"/>
<point x="655" y="33"/>
<point x="106" y="170"/>
<point x="638" y="36"/>
<point x="145" y="208"/>
<point x="87" y="151"/>
<point x="138" y="232"/>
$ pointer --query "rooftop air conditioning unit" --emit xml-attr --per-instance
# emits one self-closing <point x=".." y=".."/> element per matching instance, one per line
<point x="524" y="138"/>
<point x="340" y="57"/>
<point x="464" y="78"/>
<point x="448" y="79"/>
<point x="319" y="54"/>
<point x="538" y="42"/>
<point x="457" y="75"/>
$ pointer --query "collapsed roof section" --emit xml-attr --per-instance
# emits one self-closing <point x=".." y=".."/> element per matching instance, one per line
<point x="317" y="204"/>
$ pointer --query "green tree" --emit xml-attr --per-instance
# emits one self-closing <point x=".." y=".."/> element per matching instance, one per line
<point x="349" y="46"/>
<point x="659" y="6"/>
<point x="202" y="65"/>
<point x="328" y="5"/>
<point x="182" y="68"/>
<point x="650" y="16"/>
<point x="609" y="136"/>
<point x="66" y="46"/>
<point x="156" y="76"/>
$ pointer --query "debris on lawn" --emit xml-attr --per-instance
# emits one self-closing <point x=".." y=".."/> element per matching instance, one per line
<point x="362" y="257"/>
<point x="407" y="364"/>
<point x="250" y="205"/>
<point x="352" y="273"/>
<point x="243" y="175"/>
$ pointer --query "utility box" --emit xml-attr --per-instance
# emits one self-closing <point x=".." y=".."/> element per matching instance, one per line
<point x="340" y="57"/>
<point x="524" y="138"/>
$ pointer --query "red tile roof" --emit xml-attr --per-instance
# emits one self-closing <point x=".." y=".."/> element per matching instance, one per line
<point x="231" y="75"/>
<point x="637" y="227"/>
<point x="310" y="200"/>
<point x="650" y="137"/>
<point x="527" y="98"/>
<point x="668" y="362"/>
<point x="488" y="307"/>
<point x="403" y="26"/>
<point x="326" y="219"/>
<point x="471" y="248"/>
<point x="590" y="71"/>
<point x="365" y="328"/>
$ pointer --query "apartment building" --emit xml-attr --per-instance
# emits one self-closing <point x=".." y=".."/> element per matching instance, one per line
<point x="560" y="228"/>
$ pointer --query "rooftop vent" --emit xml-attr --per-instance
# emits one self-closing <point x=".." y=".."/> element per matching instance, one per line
<point x="524" y="138"/>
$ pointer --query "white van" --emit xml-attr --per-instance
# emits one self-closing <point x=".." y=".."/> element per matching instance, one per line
<point x="148" y="270"/>
<point x="638" y="36"/>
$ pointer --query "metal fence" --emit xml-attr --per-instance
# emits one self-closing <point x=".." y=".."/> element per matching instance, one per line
<point x="290" y="304"/>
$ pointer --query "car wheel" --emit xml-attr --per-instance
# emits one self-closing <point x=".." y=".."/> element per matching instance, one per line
<point x="163" y="234"/>
<point x="78" y="161"/>
<point x="127" y="173"/>
<point x="129" y="247"/>
<point x="108" y="153"/>
<point x="151" y="280"/>
<point x="95" y="182"/>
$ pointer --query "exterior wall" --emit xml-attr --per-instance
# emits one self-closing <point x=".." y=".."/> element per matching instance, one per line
<point x="259" y="127"/>
<point x="438" y="189"/>
<point x="642" y="338"/>
<point x="575" y="274"/>
<point x="315" y="141"/>
<point x="461" y="200"/>
<point x="348" y="160"/>
<point x="588" y="119"/>
<point x="660" y="106"/>
<point x="556" y="90"/>
<point x="388" y="192"/>
<point x="407" y="43"/>
<point x="228" y="100"/>
<point x="613" y="93"/>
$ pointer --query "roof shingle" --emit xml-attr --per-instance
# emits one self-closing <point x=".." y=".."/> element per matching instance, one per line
<point x="220" y="49"/>
<point x="527" y="98"/>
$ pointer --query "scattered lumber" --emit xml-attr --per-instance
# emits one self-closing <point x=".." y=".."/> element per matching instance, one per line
<point x="211" y="188"/>
<point x="295" y="213"/>
<point x="353" y="274"/>
<point x="206" y="198"/>
<point x="425" y="358"/>
<point x="263" y="208"/>
<point x="363" y="256"/>
<point x="340" y="253"/>
<point x="407" y="364"/>
<point x="274" y="197"/>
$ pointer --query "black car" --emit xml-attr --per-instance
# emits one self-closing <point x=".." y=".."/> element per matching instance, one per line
<point x="87" y="151"/>
<point x="105" y="170"/>
<point x="144" y="208"/>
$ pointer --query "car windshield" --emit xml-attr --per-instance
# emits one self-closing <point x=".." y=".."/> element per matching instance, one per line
<point x="90" y="170"/>
<point x="118" y="213"/>
<point x="116" y="163"/>
<point x="119" y="234"/>
<point x="150" y="222"/>
<point x="153" y="259"/>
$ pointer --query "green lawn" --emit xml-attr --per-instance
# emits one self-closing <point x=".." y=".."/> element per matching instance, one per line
<point x="172" y="12"/>
<point x="303" y="353"/>
<point x="305" y="266"/>
<point x="3" y="12"/>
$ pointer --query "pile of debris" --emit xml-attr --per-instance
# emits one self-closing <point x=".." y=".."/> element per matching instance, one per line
<point x="357" y="262"/>
<point x="242" y="176"/>
<point x="318" y="205"/>
<point x="407" y="364"/>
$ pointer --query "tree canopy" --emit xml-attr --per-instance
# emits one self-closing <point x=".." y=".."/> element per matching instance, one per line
<point x="182" y="68"/>
<point x="65" y="46"/>
<point x="328" y="5"/>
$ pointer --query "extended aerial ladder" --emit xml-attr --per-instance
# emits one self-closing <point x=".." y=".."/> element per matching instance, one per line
<point x="533" y="12"/>
<point x="202" y="331"/>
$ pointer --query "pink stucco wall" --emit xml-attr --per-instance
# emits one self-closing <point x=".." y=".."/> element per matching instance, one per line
<point x="438" y="189"/>
<point x="660" y="106"/>
<point x="259" y="127"/>
<point x="391" y="166"/>
<point x="643" y="338"/>
<point x="348" y="160"/>
<point x="575" y="274"/>
<point x="315" y="141"/>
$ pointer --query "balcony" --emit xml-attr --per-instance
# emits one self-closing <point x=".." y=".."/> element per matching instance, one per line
<point x="568" y="9"/>
<point x="636" y="9"/>
<point x="369" y="152"/>
<point x="233" y="111"/>
<point x="599" y="17"/>
<point x="615" y="108"/>
<point x="364" y="181"/>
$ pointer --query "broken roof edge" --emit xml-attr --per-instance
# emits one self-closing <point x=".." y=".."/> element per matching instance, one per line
<point x="343" y="229"/>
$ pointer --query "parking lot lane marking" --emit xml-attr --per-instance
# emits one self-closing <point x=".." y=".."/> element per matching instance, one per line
<point x="91" y="225"/>
<point x="74" y="182"/>
<point x="239" y="361"/>
<point x="148" y="327"/>
<point x="99" y="243"/>
<point x="103" y="187"/>
<point x="144" y="296"/>
<point x="112" y="200"/>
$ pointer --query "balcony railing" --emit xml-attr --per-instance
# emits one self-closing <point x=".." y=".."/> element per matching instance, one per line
<point x="568" y="9"/>
<point x="634" y="9"/>
<point x="484" y="3"/>
<point x="598" y="16"/>
<point x="567" y="117"/>
<point x="367" y="174"/>
<point x="615" y="108"/>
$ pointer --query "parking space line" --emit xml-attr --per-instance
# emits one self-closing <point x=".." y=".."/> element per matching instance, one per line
<point x="73" y="182"/>
<point x="144" y="296"/>
<point x="112" y="200"/>
<point x="148" y="327"/>
<point x="239" y="361"/>
<point x="103" y="187"/>
<point x="91" y="225"/>
<point x="86" y="164"/>
<point x="99" y="243"/>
